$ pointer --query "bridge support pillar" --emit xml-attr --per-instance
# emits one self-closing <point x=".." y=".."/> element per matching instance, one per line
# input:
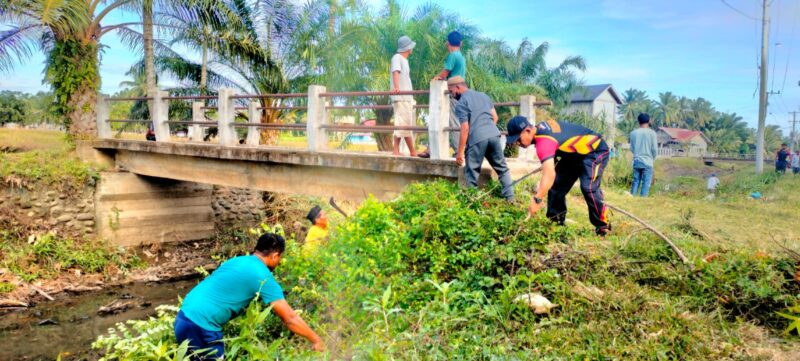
<point x="160" y="115"/>
<point x="317" y="117"/>
<point x="226" y="115"/>
<point x="254" y="117"/>
<point x="198" y="115"/>
<point x="132" y="210"/>
<point x="103" y="113"/>
<point x="439" y="119"/>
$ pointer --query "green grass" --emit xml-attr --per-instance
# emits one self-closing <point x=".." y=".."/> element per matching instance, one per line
<point x="32" y="255"/>
<point x="6" y="287"/>
<point x="434" y="275"/>
<point x="42" y="158"/>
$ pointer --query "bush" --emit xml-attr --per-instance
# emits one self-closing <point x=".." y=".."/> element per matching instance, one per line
<point x="434" y="275"/>
<point x="47" y="167"/>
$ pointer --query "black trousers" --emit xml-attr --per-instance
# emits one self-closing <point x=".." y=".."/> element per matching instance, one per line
<point x="589" y="170"/>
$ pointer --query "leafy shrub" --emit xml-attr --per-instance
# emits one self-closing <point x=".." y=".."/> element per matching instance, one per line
<point x="434" y="275"/>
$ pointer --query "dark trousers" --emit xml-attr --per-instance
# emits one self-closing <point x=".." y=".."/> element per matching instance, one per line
<point x="199" y="338"/>
<point x="589" y="170"/>
<point x="492" y="150"/>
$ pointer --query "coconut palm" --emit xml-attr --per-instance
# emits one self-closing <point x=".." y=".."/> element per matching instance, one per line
<point x="668" y="110"/>
<point x="69" y="33"/>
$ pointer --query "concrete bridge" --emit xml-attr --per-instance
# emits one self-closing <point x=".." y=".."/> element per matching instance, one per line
<point x="167" y="180"/>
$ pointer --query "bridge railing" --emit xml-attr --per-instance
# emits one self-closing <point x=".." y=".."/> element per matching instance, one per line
<point x="318" y="107"/>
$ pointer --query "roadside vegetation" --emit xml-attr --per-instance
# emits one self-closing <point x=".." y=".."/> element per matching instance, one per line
<point x="435" y="274"/>
<point x="30" y="158"/>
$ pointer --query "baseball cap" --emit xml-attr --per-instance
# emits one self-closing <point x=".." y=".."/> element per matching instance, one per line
<point x="515" y="127"/>
<point x="454" y="38"/>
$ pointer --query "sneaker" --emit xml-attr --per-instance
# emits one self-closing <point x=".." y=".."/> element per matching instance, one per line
<point x="424" y="155"/>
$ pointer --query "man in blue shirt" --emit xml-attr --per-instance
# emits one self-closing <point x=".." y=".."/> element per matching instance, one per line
<point x="480" y="137"/>
<point x="229" y="290"/>
<point x="644" y="146"/>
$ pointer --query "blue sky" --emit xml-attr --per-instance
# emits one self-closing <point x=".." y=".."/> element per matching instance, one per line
<point x="694" y="48"/>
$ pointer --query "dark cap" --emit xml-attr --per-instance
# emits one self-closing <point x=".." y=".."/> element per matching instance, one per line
<point x="313" y="214"/>
<point x="644" y="118"/>
<point x="454" y="38"/>
<point x="515" y="127"/>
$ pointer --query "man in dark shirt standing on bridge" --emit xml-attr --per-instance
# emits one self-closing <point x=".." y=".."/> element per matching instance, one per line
<point x="583" y="155"/>
<point x="479" y="136"/>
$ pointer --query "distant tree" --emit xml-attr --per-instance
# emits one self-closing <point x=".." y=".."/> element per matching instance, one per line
<point x="668" y="110"/>
<point x="12" y="107"/>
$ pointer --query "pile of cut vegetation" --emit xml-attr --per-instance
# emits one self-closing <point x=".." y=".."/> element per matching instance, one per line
<point x="443" y="273"/>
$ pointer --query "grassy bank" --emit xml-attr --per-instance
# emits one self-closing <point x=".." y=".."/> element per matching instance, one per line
<point x="435" y="274"/>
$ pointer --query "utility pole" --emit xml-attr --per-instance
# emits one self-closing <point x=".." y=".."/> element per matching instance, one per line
<point x="762" y="92"/>
<point x="793" y="133"/>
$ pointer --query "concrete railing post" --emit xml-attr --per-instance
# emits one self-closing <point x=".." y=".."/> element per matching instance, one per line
<point x="198" y="115"/>
<point x="226" y="115"/>
<point x="438" y="119"/>
<point x="527" y="109"/>
<point x="317" y="117"/>
<point x="254" y="117"/>
<point x="160" y="115"/>
<point x="103" y="113"/>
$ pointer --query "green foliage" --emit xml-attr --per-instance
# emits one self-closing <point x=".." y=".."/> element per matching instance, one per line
<point x="12" y="108"/>
<point x="44" y="256"/>
<point x="618" y="173"/>
<point x="792" y="314"/>
<point x="435" y="273"/>
<point x="6" y="287"/>
<point x="55" y="167"/>
<point x="72" y="68"/>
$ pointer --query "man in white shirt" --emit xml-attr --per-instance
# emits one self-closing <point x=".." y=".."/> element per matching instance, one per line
<point x="403" y="105"/>
<point x="712" y="183"/>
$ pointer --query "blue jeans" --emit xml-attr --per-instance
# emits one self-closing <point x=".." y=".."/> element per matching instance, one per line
<point x="199" y="338"/>
<point x="642" y="177"/>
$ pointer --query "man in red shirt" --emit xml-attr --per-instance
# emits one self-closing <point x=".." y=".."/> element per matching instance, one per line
<point x="582" y="155"/>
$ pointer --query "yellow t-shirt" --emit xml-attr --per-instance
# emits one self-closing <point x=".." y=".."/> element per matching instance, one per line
<point x="316" y="235"/>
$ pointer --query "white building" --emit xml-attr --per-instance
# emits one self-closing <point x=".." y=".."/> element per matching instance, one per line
<point x="598" y="101"/>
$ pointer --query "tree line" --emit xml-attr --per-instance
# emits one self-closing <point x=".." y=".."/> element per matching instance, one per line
<point x="265" y="46"/>
<point x="727" y="131"/>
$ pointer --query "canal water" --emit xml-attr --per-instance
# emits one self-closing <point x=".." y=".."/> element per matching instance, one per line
<point x="70" y="323"/>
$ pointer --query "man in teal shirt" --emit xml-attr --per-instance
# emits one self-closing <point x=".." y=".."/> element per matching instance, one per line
<point x="454" y="65"/>
<point x="229" y="290"/>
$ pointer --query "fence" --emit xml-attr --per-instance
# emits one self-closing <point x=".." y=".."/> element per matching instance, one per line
<point x="318" y="120"/>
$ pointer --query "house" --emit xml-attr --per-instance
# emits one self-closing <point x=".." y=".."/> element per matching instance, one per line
<point x="694" y="142"/>
<point x="601" y="101"/>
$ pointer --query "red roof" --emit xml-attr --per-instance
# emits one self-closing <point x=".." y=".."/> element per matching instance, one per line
<point x="683" y="135"/>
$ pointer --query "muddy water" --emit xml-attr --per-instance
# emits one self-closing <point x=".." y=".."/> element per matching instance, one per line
<point x="70" y="323"/>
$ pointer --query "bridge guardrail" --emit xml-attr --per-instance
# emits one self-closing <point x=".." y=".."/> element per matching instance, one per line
<point x="318" y="107"/>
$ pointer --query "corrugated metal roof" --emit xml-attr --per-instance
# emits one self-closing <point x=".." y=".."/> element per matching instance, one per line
<point x="589" y="93"/>
<point x="683" y="135"/>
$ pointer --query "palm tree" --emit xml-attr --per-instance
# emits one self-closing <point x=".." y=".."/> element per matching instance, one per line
<point x="69" y="33"/>
<point x="668" y="110"/>
<point x="633" y="101"/>
<point x="698" y="113"/>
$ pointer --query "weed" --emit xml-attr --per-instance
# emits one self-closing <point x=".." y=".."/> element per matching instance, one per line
<point x="6" y="287"/>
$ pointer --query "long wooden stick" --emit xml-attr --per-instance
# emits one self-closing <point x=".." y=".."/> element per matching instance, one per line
<point x="654" y="230"/>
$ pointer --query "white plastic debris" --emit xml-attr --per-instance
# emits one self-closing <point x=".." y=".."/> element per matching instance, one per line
<point x="538" y="303"/>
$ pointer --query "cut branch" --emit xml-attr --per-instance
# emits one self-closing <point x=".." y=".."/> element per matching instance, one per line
<point x="654" y="230"/>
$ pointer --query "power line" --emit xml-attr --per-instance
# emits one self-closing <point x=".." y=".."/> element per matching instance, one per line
<point x="789" y="51"/>
<point x="740" y="12"/>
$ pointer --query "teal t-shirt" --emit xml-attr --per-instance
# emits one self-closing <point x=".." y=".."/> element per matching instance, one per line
<point x="456" y="64"/>
<point x="226" y="292"/>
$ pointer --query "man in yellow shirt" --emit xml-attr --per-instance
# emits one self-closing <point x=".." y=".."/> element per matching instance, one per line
<point x="318" y="231"/>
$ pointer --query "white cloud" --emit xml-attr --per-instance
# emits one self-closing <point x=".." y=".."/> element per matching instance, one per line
<point x="621" y="76"/>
